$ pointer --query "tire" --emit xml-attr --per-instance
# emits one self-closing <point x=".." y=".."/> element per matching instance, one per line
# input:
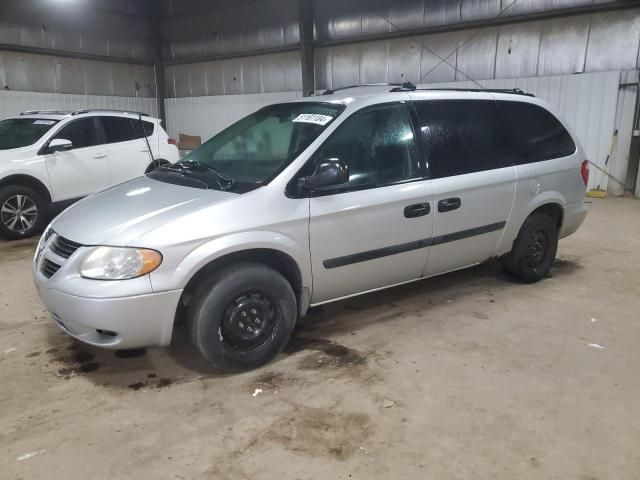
<point x="23" y="212"/>
<point x="242" y="317"/>
<point x="155" y="164"/>
<point x="534" y="250"/>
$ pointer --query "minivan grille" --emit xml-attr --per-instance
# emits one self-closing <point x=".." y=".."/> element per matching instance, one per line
<point x="49" y="268"/>
<point x="63" y="247"/>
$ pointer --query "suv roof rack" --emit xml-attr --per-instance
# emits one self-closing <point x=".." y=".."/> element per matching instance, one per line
<point x="110" y="110"/>
<point x="513" y="91"/>
<point x="331" y="91"/>
<point x="410" y="87"/>
<point x="47" y="112"/>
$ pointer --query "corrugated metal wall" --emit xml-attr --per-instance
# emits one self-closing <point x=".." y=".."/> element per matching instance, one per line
<point x="44" y="73"/>
<point x="239" y="27"/>
<point x="259" y="74"/>
<point x="12" y="103"/>
<point x="583" y="43"/>
<point x="206" y="116"/>
<point x="76" y="27"/>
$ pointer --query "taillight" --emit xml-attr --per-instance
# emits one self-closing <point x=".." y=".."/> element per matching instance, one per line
<point x="171" y="141"/>
<point x="584" y="170"/>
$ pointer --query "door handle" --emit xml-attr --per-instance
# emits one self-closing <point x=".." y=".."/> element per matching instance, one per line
<point x="417" y="210"/>
<point x="100" y="155"/>
<point x="449" y="204"/>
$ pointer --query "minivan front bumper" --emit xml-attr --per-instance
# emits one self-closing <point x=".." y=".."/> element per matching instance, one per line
<point x="118" y="323"/>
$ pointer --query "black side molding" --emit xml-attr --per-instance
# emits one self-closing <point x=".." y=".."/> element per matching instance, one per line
<point x="407" y="247"/>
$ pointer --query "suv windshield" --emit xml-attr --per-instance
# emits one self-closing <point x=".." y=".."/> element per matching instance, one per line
<point x="22" y="132"/>
<point x="254" y="150"/>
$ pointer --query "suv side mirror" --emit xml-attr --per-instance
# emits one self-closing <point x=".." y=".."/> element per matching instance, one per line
<point x="328" y="173"/>
<point x="59" y="145"/>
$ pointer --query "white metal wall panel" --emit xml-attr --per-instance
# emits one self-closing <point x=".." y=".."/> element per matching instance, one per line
<point x="12" y="103"/>
<point x="206" y="116"/>
<point x="587" y="102"/>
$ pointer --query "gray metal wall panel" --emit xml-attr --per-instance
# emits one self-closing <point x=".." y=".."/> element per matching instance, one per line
<point x="613" y="41"/>
<point x="346" y="65"/>
<point x="404" y="60"/>
<point x="81" y="29"/>
<point x="237" y="28"/>
<point x="476" y="57"/>
<point x="479" y="9"/>
<point x="518" y="48"/>
<point x="441" y="12"/>
<point x="406" y="14"/>
<point x="323" y="59"/>
<point x="563" y="45"/>
<point x="444" y="46"/>
<point x="374" y="57"/>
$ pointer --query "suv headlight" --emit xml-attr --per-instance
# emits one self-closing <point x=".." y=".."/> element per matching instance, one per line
<point x="43" y="241"/>
<point x="119" y="263"/>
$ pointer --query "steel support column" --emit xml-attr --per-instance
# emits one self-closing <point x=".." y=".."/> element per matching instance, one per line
<point x="305" y="25"/>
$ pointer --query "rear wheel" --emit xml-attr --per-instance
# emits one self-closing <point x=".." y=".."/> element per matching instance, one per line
<point x="242" y="317"/>
<point x="534" y="250"/>
<point x="22" y="212"/>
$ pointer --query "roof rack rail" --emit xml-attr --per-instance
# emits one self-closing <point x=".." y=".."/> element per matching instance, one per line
<point x="513" y="91"/>
<point x="47" y="112"/>
<point x="331" y="91"/>
<point x="110" y="110"/>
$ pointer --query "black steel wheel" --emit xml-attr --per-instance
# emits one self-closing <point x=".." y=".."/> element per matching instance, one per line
<point x="534" y="250"/>
<point x="242" y="316"/>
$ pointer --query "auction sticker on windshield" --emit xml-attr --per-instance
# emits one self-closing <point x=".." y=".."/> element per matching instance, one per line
<point x="44" y="122"/>
<point x="313" y="118"/>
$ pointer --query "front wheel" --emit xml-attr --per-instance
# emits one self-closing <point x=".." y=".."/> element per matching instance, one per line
<point x="242" y="317"/>
<point x="22" y="212"/>
<point x="534" y="250"/>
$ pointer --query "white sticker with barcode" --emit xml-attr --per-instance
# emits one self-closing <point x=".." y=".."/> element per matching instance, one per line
<point x="44" y="122"/>
<point x="313" y="118"/>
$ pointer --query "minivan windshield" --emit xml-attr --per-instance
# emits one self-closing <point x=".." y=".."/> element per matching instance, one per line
<point x="22" y="132"/>
<point x="254" y="150"/>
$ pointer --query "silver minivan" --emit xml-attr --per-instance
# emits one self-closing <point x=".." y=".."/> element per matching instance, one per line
<point x="308" y="202"/>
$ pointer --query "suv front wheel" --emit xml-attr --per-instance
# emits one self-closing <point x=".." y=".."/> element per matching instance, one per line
<point x="534" y="250"/>
<point x="22" y="212"/>
<point x="242" y="316"/>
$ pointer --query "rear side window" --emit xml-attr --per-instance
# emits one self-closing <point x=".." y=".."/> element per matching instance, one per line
<point x="137" y="128"/>
<point x="117" y="129"/>
<point x="538" y="134"/>
<point x="463" y="136"/>
<point x="82" y="133"/>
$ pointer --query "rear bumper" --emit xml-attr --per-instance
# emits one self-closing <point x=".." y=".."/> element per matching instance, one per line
<point x="118" y="323"/>
<point x="574" y="215"/>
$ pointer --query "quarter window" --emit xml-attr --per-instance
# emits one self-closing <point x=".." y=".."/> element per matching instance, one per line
<point x="82" y="133"/>
<point x="463" y="136"/>
<point x="378" y="146"/>
<point x="538" y="134"/>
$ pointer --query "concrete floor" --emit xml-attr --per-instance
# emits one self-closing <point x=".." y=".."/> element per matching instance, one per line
<point x="464" y="376"/>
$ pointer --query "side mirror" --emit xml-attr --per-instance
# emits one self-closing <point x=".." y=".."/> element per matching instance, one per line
<point x="59" y="145"/>
<point x="328" y="173"/>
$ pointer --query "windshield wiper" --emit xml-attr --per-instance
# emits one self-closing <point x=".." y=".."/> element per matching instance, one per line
<point x="225" y="182"/>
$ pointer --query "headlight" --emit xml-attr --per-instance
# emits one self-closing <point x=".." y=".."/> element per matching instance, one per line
<point x="116" y="263"/>
<point x="43" y="241"/>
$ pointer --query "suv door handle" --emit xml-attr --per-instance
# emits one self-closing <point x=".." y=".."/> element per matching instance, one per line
<point x="449" y="204"/>
<point x="417" y="210"/>
<point x="100" y="155"/>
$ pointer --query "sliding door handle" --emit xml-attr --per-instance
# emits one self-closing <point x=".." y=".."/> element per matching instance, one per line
<point x="417" y="210"/>
<point x="449" y="204"/>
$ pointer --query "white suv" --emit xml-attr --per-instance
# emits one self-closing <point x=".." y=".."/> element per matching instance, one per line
<point x="48" y="159"/>
<point x="309" y="202"/>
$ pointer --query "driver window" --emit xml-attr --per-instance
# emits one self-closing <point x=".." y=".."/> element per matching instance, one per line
<point x="378" y="146"/>
<point x="82" y="133"/>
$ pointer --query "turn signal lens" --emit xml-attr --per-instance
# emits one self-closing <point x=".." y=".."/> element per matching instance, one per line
<point x="118" y="263"/>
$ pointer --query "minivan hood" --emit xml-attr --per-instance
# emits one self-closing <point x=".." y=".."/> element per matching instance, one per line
<point x="119" y="215"/>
